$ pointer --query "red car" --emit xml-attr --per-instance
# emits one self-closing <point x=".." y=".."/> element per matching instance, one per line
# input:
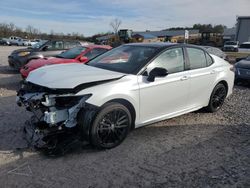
<point x="80" y="54"/>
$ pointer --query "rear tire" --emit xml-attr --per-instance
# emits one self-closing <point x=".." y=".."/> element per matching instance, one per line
<point x="217" y="98"/>
<point x="111" y="126"/>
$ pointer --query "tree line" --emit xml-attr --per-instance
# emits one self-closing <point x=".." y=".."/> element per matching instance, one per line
<point x="30" y="32"/>
<point x="203" y="28"/>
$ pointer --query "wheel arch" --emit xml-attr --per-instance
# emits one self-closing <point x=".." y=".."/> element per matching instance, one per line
<point x="128" y="105"/>
<point x="224" y="82"/>
<point x="86" y="116"/>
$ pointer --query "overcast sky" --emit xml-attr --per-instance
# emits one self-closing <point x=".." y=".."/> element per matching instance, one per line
<point x="93" y="16"/>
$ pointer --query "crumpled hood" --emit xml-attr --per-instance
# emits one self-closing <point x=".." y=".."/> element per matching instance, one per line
<point x="245" y="64"/>
<point x="68" y="76"/>
<point x="36" y="63"/>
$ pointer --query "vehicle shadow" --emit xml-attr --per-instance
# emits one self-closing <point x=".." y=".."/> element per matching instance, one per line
<point x="243" y="84"/>
<point x="7" y="70"/>
<point x="10" y="82"/>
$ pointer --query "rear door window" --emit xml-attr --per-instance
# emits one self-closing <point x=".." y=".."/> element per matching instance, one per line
<point x="55" y="45"/>
<point x="197" y="58"/>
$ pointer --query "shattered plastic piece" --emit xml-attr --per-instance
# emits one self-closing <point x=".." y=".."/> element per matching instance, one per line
<point x="53" y="124"/>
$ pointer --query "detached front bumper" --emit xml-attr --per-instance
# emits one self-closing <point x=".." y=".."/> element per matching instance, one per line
<point x="54" y="120"/>
<point x="54" y="140"/>
<point x="33" y="136"/>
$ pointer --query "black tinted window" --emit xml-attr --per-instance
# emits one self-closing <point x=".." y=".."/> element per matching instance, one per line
<point x="197" y="58"/>
<point x="126" y="59"/>
<point x="72" y="53"/>
<point x="172" y="60"/>
<point x="95" y="52"/>
<point x="55" y="45"/>
<point x="245" y="46"/>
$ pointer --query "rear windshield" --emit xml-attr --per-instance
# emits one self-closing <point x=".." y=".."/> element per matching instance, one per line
<point x="231" y="43"/>
<point x="72" y="53"/>
<point x="245" y="46"/>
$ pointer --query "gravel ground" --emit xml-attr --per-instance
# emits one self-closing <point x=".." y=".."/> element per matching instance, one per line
<point x="194" y="150"/>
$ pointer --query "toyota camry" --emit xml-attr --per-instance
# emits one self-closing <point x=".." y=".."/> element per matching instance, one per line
<point x="128" y="87"/>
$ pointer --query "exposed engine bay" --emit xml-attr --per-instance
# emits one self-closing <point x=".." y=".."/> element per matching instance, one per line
<point x="53" y="123"/>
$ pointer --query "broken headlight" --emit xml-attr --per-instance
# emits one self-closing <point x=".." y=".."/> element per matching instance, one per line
<point x="63" y="108"/>
<point x="64" y="101"/>
<point x="67" y="101"/>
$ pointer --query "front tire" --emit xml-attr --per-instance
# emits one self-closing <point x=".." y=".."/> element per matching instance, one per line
<point x="217" y="98"/>
<point x="111" y="126"/>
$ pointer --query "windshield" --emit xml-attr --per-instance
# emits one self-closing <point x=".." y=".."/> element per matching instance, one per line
<point x="126" y="59"/>
<point x="72" y="53"/>
<point x="39" y="44"/>
<point x="231" y="43"/>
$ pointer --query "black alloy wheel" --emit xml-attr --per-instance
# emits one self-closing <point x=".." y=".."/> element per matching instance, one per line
<point x="217" y="98"/>
<point x="111" y="126"/>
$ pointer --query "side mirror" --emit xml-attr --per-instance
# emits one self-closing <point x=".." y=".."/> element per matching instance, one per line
<point x="84" y="59"/>
<point x="157" y="72"/>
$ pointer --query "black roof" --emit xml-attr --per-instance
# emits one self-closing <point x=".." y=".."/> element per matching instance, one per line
<point x="161" y="44"/>
<point x="153" y="44"/>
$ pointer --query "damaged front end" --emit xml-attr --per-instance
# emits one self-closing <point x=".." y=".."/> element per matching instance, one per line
<point x="54" y="116"/>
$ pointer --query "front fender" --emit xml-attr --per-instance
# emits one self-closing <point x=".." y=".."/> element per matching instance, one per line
<point x="125" y="88"/>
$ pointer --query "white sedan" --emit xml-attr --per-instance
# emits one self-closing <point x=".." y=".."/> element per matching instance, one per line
<point x="244" y="47"/>
<point x="128" y="87"/>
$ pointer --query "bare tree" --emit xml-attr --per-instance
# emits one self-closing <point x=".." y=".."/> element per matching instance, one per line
<point x="31" y="32"/>
<point x="12" y="27"/>
<point x="115" y="24"/>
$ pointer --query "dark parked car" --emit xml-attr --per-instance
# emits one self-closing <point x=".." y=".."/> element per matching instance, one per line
<point x="215" y="51"/>
<point x="19" y="58"/>
<point x="3" y="42"/>
<point x="242" y="70"/>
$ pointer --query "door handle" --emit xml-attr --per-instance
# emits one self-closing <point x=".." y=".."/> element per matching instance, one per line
<point x="213" y="72"/>
<point x="184" y="78"/>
